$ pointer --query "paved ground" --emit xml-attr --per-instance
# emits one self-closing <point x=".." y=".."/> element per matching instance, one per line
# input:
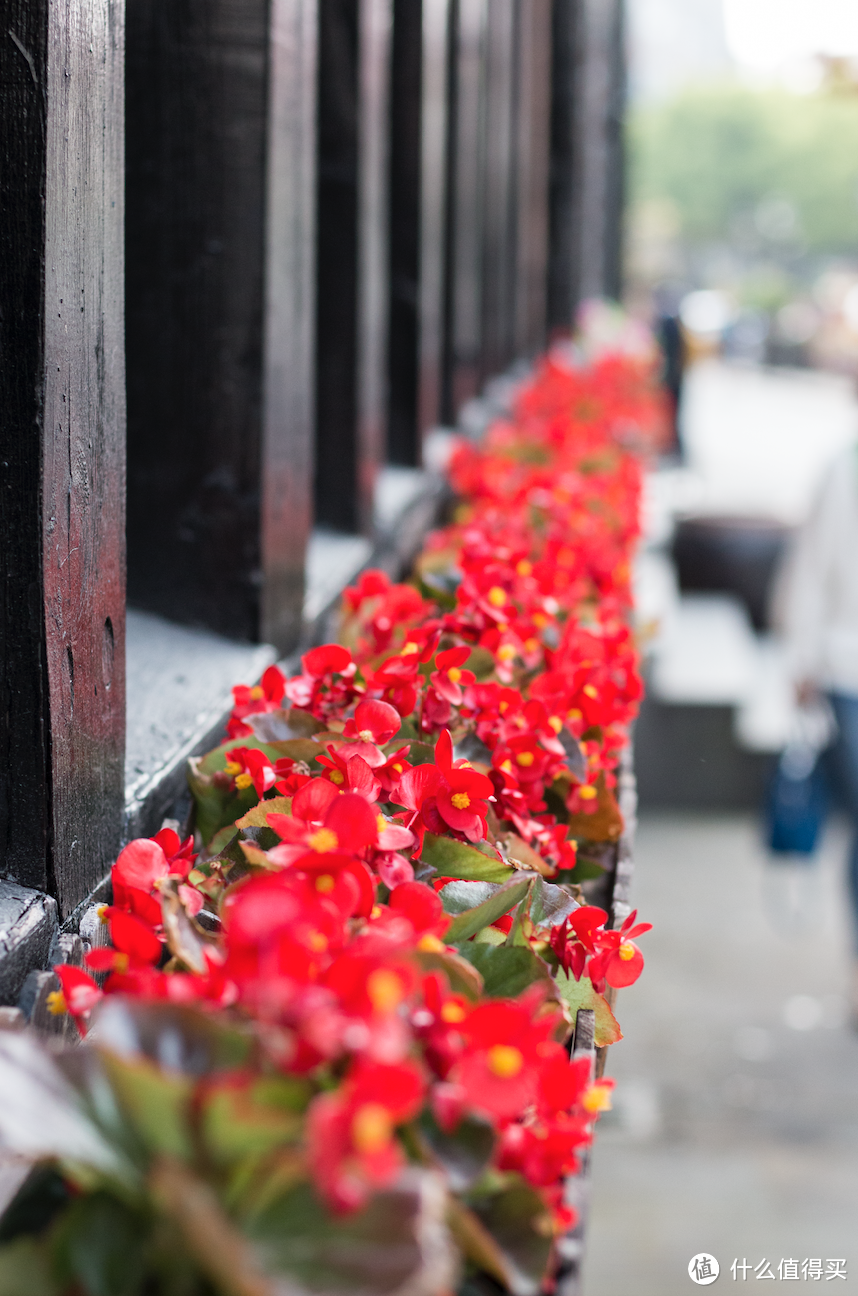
<point x="736" y="1121"/>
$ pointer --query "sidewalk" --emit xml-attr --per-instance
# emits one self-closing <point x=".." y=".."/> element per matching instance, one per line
<point x="735" y="1129"/>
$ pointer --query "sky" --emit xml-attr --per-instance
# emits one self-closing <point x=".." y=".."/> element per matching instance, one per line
<point x="673" y="42"/>
<point x="765" y="34"/>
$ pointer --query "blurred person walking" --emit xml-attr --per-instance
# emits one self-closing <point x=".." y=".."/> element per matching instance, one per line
<point x="816" y="607"/>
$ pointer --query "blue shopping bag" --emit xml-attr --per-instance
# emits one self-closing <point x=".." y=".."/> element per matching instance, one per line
<point x="797" y="801"/>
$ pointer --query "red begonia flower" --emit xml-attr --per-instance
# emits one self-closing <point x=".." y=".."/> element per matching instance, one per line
<point x="374" y="722"/>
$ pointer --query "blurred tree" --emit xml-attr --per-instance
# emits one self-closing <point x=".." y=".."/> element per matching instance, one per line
<point x="765" y="167"/>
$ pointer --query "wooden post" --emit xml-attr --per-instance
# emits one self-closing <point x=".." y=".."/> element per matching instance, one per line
<point x="533" y="127"/>
<point x="352" y="264"/>
<point x="418" y="113"/>
<point x="62" y="570"/>
<point x="564" y="145"/>
<point x="465" y="198"/>
<point x="500" y="213"/>
<point x="433" y="206"/>
<point x="220" y="236"/>
<point x="600" y="45"/>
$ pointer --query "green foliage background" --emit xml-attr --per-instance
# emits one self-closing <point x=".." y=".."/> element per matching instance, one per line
<point x="716" y="152"/>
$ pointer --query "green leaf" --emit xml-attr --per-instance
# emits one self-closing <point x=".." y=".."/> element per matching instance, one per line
<point x="463" y="1153"/>
<point x="550" y="904"/>
<point x="484" y="914"/>
<point x="455" y="859"/>
<point x="580" y="994"/>
<point x="258" y="816"/>
<point x="99" y="1246"/>
<point x="458" y="897"/>
<point x="584" y="871"/>
<point x="237" y="1123"/>
<point x="186" y="1040"/>
<point x="517" y="1220"/>
<point x="506" y="970"/>
<point x="463" y="977"/>
<point x="156" y="1102"/>
<point x="216" y="807"/>
<point x="25" y="1269"/>
<point x="396" y="1242"/>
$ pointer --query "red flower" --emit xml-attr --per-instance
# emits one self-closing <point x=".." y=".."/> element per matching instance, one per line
<point x="449" y="678"/>
<point x="267" y="695"/>
<point x="250" y="768"/>
<point x="351" y="1133"/>
<point x="462" y="792"/>
<point x="373" y="722"/>
<point x="505" y="1050"/>
<point x="619" y="962"/>
<point x="78" y="995"/>
<point x="421" y="906"/>
<point x="135" y="945"/>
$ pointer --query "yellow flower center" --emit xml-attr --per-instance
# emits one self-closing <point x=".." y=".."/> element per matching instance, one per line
<point x="504" y="1061"/>
<point x="380" y="823"/>
<point x="325" y="883"/>
<point x="597" y="1099"/>
<point x="556" y="723"/>
<point x="56" y="1003"/>
<point x="317" y="942"/>
<point x="497" y="596"/>
<point x="409" y="648"/>
<point x="243" y="781"/>
<point x="452" y="1013"/>
<point x="460" y="800"/>
<point x="371" y="1128"/>
<point x="506" y="652"/>
<point x="337" y="777"/>
<point x="232" y="768"/>
<point x="384" y="989"/>
<point x="257" y="693"/>
<point x="429" y="944"/>
<point x="506" y="766"/>
<point x="120" y="962"/>
<point x="531" y="644"/>
<point x="366" y="735"/>
<point x="524" y="758"/>
<point x="590" y="691"/>
<point x="524" y="568"/>
<point x="324" y="840"/>
<point x="575" y="714"/>
<point x="398" y="768"/>
<point x="587" y="792"/>
<point x="626" y="951"/>
<point x="454" y="674"/>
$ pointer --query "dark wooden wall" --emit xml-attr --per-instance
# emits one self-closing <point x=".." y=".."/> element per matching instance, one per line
<point x="342" y="218"/>
<point x="62" y="395"/>
<point x="219" y="238"/>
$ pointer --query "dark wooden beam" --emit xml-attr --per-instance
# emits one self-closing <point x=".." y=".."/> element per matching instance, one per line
<point x="465" y="198"/>
<point x="352" y="259"/>
<point x="406" y="94"/>
<point x="532" y="174"/>
<point x="599" y="83"/>
<point x="62" y="395"/>
<point x="501" y="160"/>
<point x="562" y="288"/>
<point x="220" y="236"/>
